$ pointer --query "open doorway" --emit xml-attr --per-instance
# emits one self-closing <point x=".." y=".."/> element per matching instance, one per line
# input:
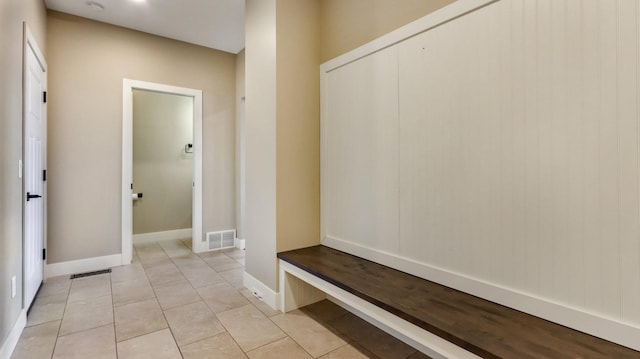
<point x="163" y="166"/>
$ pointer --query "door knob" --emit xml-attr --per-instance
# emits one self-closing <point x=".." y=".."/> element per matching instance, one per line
<point x="30" y="196"/>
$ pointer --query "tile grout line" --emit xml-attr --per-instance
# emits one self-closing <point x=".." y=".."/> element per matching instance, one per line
<point x="226" y="331"/>
<point x="161" y="310"/>
<point x="289" y="336"/>
<point x="245" y="352"/>
<point x="64" y="311"/>
<point x="113" y="314"/>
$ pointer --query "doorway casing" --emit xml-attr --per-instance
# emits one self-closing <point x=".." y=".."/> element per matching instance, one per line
<point x="127" y="161"/>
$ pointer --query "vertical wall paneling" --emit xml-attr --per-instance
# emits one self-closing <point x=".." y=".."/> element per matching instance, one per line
<point x="592" y="285"/>
<point x="503" y="257"/>
<point x="575" y="132"/>
<point x="546" y="192"/>
<point x="363" y="206"/>
<point x="558" y="164"/>
<point x="518" y="118"/>
<point x="627" y="110"/>
<point x="498" y="150"/>
<point x="609" y="260"/>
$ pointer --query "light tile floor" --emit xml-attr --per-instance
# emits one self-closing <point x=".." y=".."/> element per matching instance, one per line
<point x="171" y="303"/>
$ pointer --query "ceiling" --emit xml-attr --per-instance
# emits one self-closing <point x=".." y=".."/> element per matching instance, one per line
<point x="217" y="24"/>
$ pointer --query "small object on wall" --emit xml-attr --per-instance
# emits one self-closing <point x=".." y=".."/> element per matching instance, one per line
<point x="136" y="196"/>
<point x="188" y="148"/>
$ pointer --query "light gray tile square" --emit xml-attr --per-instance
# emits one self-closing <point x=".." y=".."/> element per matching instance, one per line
<point x="138" y="318"/>
<point x="219" y="261"/>
<point x="234" y="277"/>
<point x="188" y="260"/>
<point x="201" y="275"/>
<point x="164" y="275"/>
<point x="87" y="314"/>
<point x="37" y="342"/>
<point x="131" y="291"/>
<point x="46" y="309"/>
<point x="97" y="343"/>
<point x="283" y="348"/>
<point x="221" y="346"/>
<point x="174" y="295"/>
<point x="128" y="273"/>
<point x="315" y="338"/>
<point x="192" y="322"/>
<point x="249" y="327"/>
<point x="55" y="286"/>
<point x="90" y="287"/>
<point x="156" y="345"/>
<point x="222" y="297"/>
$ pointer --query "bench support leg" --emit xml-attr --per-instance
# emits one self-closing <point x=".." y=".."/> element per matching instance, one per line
<point x="295" y="293"/>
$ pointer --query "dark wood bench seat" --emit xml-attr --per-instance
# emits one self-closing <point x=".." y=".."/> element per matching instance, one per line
<point x="479" y="326"/>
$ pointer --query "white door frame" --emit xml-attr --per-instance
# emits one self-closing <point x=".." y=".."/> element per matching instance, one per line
<point x="127" y="161"/>
<point x="30" y="45"/>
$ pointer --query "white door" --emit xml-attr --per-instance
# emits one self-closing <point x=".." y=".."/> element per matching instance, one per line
<point x="34" y="161"/>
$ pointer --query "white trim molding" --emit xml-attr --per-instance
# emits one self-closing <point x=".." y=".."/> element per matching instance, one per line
<point x="240" y="243"/>
<point x="270" y="297"/>
<point x="82" y="265"/>
<point x="426" y="23"/>
<point x="162" y="236"/>
<point x="10" y="343"/>
<point x="127" y="161"/>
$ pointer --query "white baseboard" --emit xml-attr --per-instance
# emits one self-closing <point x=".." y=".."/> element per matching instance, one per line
<point x="239" y="243"/>
<point x="591" y="323"/>
<point x="270" y="297"/>
<point x="10" y="343"/>
<point x="143" y="238"/>
<point x="82" y="265"/>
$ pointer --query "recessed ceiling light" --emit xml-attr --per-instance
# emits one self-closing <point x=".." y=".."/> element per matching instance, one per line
<point x="95" y="6"/>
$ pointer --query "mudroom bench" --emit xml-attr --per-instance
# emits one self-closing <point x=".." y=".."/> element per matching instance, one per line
<point x="437" y="320"/>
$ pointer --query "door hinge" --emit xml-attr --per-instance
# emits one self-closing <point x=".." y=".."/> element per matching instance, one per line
<point x="44" y="96"/>
<point x="44" y="175"/>
<point x="44" y="254"/>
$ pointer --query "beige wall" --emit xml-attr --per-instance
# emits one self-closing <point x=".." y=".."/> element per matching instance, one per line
<point x="347" y="24"/>
<point x="286" y="42"/>
<point x="162" y="170"/>
<point x="88" y="61"/>
<point x="298" y="124"/>
<point x="12" y="15"/>
<point x="282" y="87"/>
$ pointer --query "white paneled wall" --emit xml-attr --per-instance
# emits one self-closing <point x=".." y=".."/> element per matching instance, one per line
<point x="362" y="155"/>
<point x="500" y="147"/>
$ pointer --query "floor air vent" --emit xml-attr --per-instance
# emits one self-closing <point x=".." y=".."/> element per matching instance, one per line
<point x="88" y="274"/>
<point x="221" y="240"/>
